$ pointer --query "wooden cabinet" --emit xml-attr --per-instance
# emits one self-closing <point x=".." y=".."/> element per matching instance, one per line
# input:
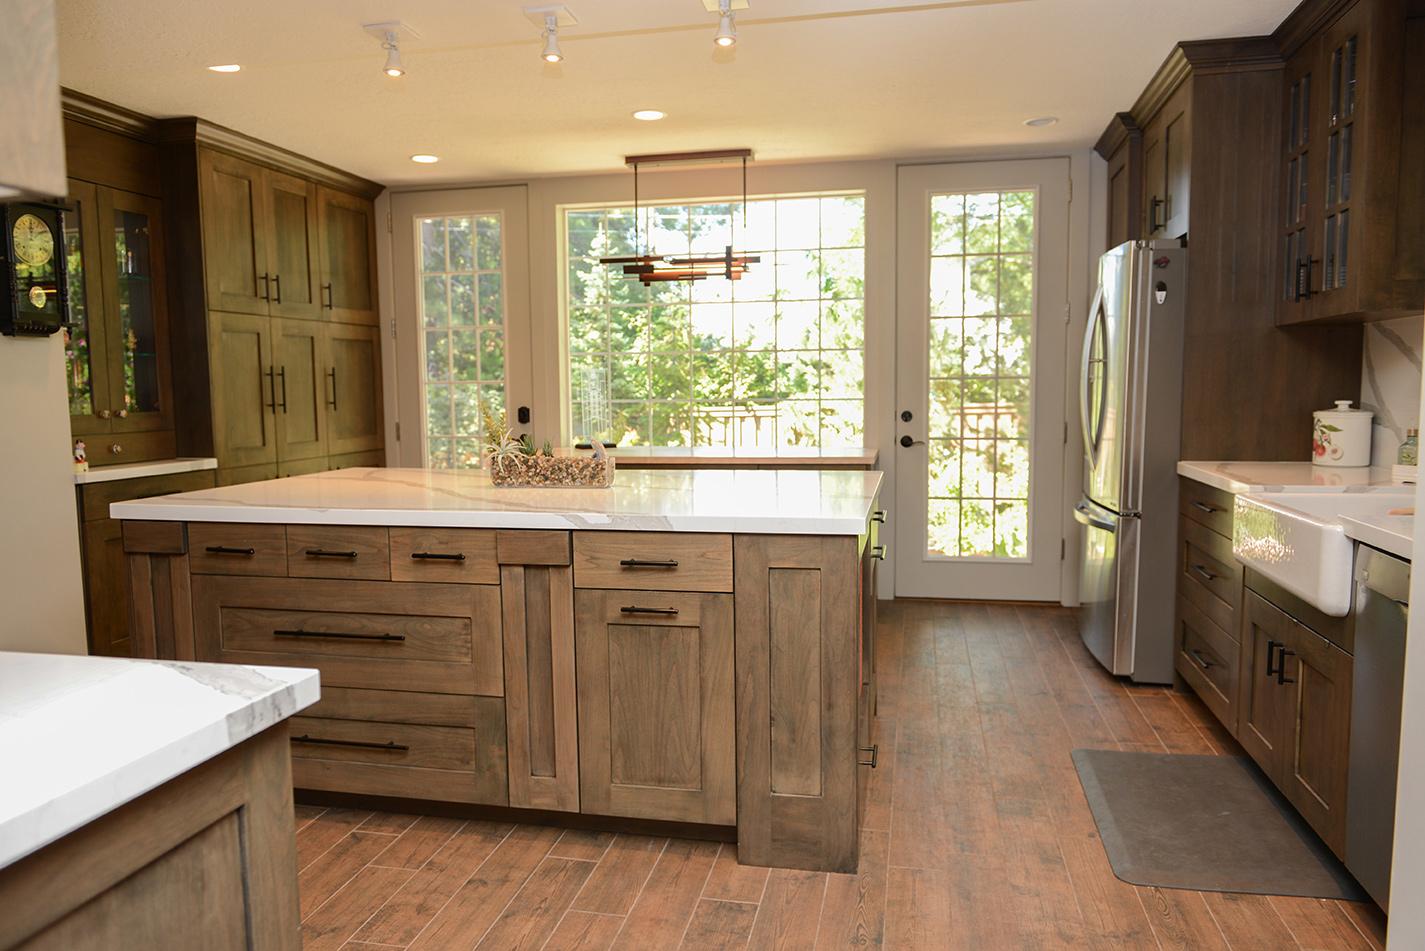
<point x="347" y="229"/>
<point x="292" y="260"/>
<point x="1207" y="648"/>
<point x="1122" y="146"/>
<point x="300" y="362"/>
<point x="656" y="705"/>
<point x="244" y="398"/>
<point x="1166" y="155"/>
<point x="352" y="368"/>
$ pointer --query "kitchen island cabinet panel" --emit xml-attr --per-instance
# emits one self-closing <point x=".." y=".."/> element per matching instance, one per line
<point x="653" y="561"/>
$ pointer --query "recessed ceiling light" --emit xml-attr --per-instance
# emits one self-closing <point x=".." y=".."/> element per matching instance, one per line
<point x="225" y="68"/>
<point x="1041" y="121"/>
<point x="650" y="115"/>
<point x="425" y="158"/>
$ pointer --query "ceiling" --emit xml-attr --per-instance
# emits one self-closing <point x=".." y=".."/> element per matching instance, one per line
<point x="809" y="79"/>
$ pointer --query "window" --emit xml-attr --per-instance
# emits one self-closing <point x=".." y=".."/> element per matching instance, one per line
<point x="462" y="308"/>
<point x="774" y="359"/>
<point x="981" y="320"/>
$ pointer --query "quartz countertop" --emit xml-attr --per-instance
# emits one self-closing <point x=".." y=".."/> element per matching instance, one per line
<point x="1390" y="533"/>
<point x="675" y="457"/>
<point x="80" y="736"/>
<point x="138" y="470"/>
<point x="761" y="501"/>
<point x="1242" y="477"/>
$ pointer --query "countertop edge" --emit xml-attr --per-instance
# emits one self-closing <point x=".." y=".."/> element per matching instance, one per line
<point x="143" y="470"/>
<point x="1377" y="536"/>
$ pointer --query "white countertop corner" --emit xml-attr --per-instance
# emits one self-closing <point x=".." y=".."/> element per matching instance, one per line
<point x="1394" y="534"/>
<point x="139" y="470"/>
<point x="1240" y="478"/>
<point x="80" y="736"/>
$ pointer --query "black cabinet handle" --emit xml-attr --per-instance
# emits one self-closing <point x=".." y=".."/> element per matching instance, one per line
<point x="331" y="375"/>
<point x="1202" y="571"/>
<point x="1304" y="270"/>
<point x="282" y="372"/>
<point x="1282" y="678"/>
<point x="878" y="516"/>
<point x="272" y="388"/>
<point x="339" y="635"/>
<point x="878" y="552"/>
<point x="1153" y="223"/>
<point x="326" y="297"/>
<point x="277" y="285"/>
<point x="391" y="745"/>
<point x="1202" y="662"/>
<point x="1204" y="507"/>
<point x="1272" y="664"/>
<point x="875" y="750"/>
<point x="635" y="609"/>
<point x="327" y="553"/>
<point x="438" y="555"/>
<point x="644" y="563"/>
<point x="266" y="286"/>
<point x="228" y="550"/>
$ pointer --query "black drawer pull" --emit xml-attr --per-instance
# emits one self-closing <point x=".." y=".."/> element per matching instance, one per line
<point x="1204" y="507"/>
<point x="1202" y="662"/>
<point x="228" y="550"/>
<point x="325" y="553"/>
<point x="644" y="563"/>
<point x="341" y="636"/>
<point x="1271" y="664"/>
<point x="1282" y="678"/>
<point x="635" y="609"/>
<point x="438" y="556"/>
<point x="1206" y="575"/>
<point x="391" y="745"/>
<point x="878" y="516"/>
<point x="875" y="750"/>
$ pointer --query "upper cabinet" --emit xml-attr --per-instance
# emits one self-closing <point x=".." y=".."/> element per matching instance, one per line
<point x="347" y="228"/>
<point x="1166" y="150"/>
<point x="1122" y="147"/>
<point x="1352" y="245"/>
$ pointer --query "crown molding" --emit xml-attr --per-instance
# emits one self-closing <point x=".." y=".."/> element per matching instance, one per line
<point x="81" y="107"/>
<point x="1205" y="57"/>
<point x="1121" y="128"/>
<point x="1307" y="20"/>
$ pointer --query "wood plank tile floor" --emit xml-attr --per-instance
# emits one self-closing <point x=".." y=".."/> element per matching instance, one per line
<point x="977" y="835"/>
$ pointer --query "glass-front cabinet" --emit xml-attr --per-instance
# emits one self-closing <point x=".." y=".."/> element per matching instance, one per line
<point x="116" y="358"/>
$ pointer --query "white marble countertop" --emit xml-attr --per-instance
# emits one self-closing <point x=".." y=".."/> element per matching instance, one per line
<point x="760" y="501"/>
<point x="137" y="470"/>
<point x="80" y="736"/>
<point x="1243" y="477"/>
<point x="675" y="457"/>
<point x="1390" y="533"/>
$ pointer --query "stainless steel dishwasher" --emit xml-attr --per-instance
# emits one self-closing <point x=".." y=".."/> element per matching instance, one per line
<point x="1381" y="611"/>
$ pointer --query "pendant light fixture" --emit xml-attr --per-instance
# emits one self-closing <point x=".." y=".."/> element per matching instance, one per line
<point x="551" y="52"/>
<point x="649" y="269"/>
<point x="549" y="19"/>
<point x="390" y="34"/>
<point x="726" y="25"/>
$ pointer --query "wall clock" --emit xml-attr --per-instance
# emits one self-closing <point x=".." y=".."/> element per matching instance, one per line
<point x="36" y="286"/>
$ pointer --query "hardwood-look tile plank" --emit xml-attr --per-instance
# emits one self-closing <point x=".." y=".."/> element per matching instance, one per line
<point x="334" y="922"/>
<point x="366" y="946"/>
<point x="393" y="823"/>
<point x="1319" y="925"/>
<point x="530" y="918"/>
<point x="620" y="875"/>
<point x="791" y="907"/>
<point x="325" y="876"/>
<point x="1180" y="920"/>
<point x="880" y="785"/>
<point x="1248" y="921"/>
<point x="411" y="908"/>
<point x="478" y="902"/>
<point x="661" y="913"/>
<point x="854" y="912"/>
<point x="325" y="831"/>
<point x="719" y="926"/>
<point x="918" y="911"/>
<point x="304" y="814"/>
<point x="584" y="931"/>
<point x="1368" y="919"/>
<point x="415" y="846"/>
<point x="732" y="881"/>
<point x="583" y="844"/>
<point x="1110" y="907"/>
<point x="1177" y="733"/>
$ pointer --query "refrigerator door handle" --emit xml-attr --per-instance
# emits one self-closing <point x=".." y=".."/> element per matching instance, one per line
<point x="1085" y="398"/>
<point x="1086" y="516"/>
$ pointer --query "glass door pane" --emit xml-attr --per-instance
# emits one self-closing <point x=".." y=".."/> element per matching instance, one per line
<point x="138" y="320"/>
<point x="78" y="344"/>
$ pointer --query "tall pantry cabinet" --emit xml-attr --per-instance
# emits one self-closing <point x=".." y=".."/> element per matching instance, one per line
<point x="278" y="253"/>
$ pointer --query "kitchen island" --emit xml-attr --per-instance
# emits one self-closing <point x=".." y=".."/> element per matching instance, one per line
<point x="686" y="646"/>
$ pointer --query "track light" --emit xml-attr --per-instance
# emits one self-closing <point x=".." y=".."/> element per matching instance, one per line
<point x="726" y="25"/>
<point x="393" y="66"/>
<point x="551" y="52"/>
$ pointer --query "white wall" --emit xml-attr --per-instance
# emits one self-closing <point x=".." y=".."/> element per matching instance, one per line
<point x="40" y="586"/>
<point x="1390" y="382"/>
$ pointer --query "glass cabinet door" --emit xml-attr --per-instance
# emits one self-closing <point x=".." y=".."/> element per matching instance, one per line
<point x="84" y="344"/>
<point x="133" y="256"/>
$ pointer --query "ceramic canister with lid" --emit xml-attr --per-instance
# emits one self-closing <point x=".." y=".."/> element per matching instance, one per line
<point x="1341" y="436"/>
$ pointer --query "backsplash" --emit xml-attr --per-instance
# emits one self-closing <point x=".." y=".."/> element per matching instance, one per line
<point x="1390" y="382"/>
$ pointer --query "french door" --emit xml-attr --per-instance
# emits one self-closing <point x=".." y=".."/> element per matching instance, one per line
<point x="461" y="282"/>
<point x="981" y="333"/>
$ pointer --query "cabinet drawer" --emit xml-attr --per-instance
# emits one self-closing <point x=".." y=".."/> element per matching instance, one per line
<point x="441" y="638"/>
<point x="338" y="551"/>
<point x="223" y="548"/>
<point x="1208" y="575"/>
<point x="653" y="561"/>
<point x="464" y="555"/>
<point x="460" y="758"/>
<point x="1206" y="506"/>
<point x="1209" y="661"/>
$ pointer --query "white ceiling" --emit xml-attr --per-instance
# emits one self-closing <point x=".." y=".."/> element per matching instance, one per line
<point x="809" y="79"/>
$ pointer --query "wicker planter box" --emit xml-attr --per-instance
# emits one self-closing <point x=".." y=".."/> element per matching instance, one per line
<point x="569" y="472"/>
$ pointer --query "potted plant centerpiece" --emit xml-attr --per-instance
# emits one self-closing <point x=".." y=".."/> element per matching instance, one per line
<point x="514" y="461"/>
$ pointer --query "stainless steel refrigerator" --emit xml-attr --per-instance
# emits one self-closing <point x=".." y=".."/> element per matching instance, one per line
<point x="1130" y="405"/>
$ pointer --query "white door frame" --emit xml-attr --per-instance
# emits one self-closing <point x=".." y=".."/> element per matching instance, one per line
<point x="511" y="203"/>
<point x="916" y="574"/>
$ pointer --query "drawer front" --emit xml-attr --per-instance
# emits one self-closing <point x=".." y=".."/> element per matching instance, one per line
<point x="98" y="496"/>
<point x="1207" y="506"/>
<point x="423" y="637"/>
<point x="1210" y="662"/>
<point x="223" y="548"/>
<point x="459" y="760"/>
<point x="115" y="448"/>
<point x="1208" y="575"/>
<point x="462" y="555"/>
<point x="653" y="561"/>
<point x="339" y="551"/>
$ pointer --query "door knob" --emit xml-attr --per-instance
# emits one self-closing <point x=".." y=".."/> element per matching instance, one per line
<point x="105" y="413"/>
<point x="907" y="442"/>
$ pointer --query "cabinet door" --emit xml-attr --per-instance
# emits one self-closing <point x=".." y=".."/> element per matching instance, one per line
<point x="1265" y="726"/>
<point x="234" y="233"/>
<point x="85" y="345"/>
<point x="347" y="230"/>
<point x="1344" y="62"/>
<point x="1299" y="248"/>
<point x="292" y="259"/>
<point x="656" y="705"/>
<point x="301" y="417"/>
<point x="1177" y="156"/>
<point x="353" y="388"/>
<point x="135" y="311"/>
<point x="244" y="390"/>
<point x="1316" y="682"/>
<point x="106" y="589"/>
<point x="1155" y="182"/>
<point x="1125" y="191"/>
